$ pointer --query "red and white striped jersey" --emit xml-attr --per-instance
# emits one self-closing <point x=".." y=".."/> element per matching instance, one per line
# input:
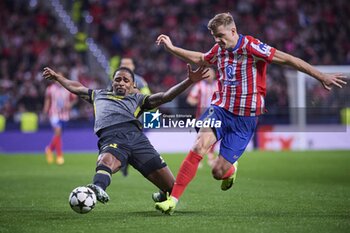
<point x="242" y="75"/>
<point x="203" y="92"/>
<point x="60" y="101"/>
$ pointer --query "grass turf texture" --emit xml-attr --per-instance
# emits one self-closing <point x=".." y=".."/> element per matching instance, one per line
<point x="275" y="192"/>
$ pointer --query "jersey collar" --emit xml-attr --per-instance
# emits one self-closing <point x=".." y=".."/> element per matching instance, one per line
<point x="239" y="42"/>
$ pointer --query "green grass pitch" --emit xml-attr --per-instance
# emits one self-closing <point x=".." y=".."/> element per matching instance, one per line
<point x="275" y="192"/>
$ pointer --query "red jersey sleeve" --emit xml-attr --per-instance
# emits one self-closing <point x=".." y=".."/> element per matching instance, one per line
<point x="211" y="55"/>
<point x="260" y="49"/>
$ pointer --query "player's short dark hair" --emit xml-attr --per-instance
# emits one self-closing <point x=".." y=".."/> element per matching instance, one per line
<point x="220" y="19"/>
<point x="125" y="69"/>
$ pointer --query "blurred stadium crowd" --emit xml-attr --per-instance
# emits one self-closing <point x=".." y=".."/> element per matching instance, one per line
<point x="32" y="37"/>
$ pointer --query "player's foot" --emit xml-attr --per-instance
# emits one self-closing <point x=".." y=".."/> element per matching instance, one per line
<point x="101" y="195"/>
<point x="226" y="184"/>
<point x="60" y="160"/>
<point x="48" y="155"/>
<point x="159" y="196"/>
<point x="166" y="207"/>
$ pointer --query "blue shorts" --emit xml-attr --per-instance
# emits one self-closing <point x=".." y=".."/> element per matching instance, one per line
<point x="57" y="123"/>
<point x="235" y="131"/>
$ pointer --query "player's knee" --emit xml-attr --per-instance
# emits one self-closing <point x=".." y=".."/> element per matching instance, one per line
<point x="199" y="147"/>
<point x="110" y="161"/>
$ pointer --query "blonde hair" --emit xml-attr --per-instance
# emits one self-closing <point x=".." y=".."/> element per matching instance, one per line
<point x="220" y="19"/>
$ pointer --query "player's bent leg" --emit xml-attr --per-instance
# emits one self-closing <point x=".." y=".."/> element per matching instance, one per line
<point x="186" y="173"/>
<point x="164" y="179"/>
<point x="220" y="168"/>
<point x="225" y="171"/>
<point x="107" y="164"/>
<point x="205" y="138"/>
<point x="210" y="158"/>
<point x="228" y="182"/>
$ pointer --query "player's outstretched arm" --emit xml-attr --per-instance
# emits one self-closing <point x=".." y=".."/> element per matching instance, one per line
<point x="186" y="55"/>
<point x="163" y="97"/>
<point x="72" y="86"/>
<point x="327" y="80"/>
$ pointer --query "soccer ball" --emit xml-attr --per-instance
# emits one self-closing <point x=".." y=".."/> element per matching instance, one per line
<point x="82" y="200"/>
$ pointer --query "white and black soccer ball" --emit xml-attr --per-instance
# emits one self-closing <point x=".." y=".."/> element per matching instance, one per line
<point x="82" y="200"/>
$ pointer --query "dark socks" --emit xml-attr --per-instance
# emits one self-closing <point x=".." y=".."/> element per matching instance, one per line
<point x="103" y="176"/>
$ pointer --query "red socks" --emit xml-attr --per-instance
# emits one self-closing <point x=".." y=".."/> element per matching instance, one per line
<point x="56" y="144"/>
<point x="59" y="146"/>
<point x="229" y="173"/>
<point x="186" y="173"/>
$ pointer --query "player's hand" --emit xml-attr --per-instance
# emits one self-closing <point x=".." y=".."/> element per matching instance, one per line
<point x="165" y="40"/>
<point x="197" y="75"/>
<point x="49" y="74"/>
<point x="331" y="80"/>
